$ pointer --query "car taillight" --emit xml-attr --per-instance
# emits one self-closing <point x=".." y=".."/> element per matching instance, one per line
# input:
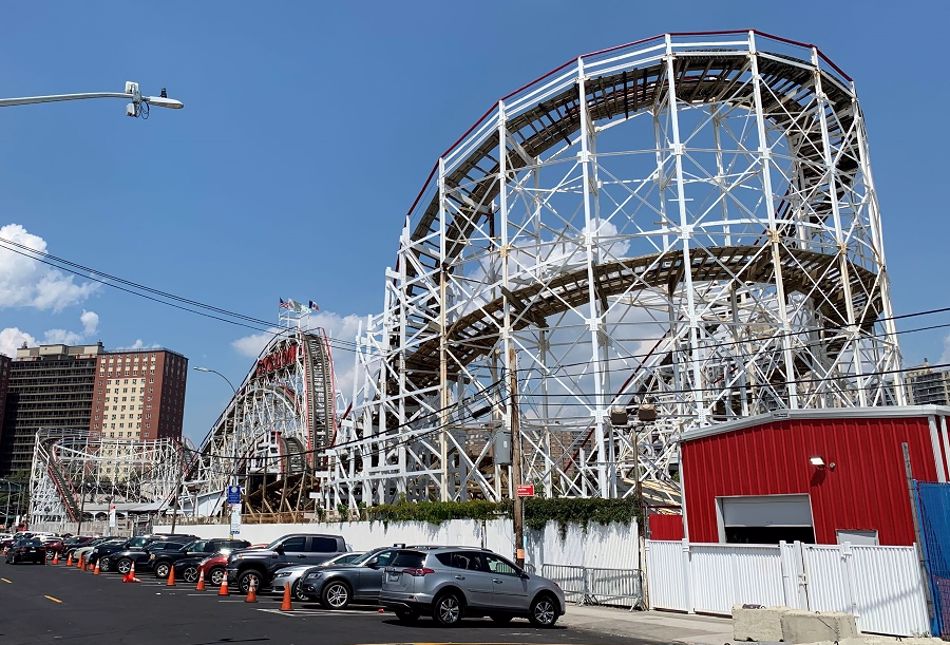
<point x="418" y="572"/>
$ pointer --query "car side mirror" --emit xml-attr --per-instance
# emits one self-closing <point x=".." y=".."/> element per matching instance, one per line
<point x="373" y="565"/>
<point x="280" y="549"/>
<point x="523" y="575"/>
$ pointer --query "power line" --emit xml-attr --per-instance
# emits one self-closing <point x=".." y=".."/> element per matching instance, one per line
<point x="159" y="296"/>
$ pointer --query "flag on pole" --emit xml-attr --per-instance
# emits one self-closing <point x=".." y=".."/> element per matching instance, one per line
<point x="286" y="304"/>
<point x="314" y="306"/>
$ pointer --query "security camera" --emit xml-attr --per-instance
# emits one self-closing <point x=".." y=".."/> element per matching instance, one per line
<point x="131" y="109"/>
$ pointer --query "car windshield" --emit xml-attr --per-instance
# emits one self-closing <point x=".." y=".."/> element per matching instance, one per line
<point x="33" y="542"/>
<point x="273" y="545"/>
<point x="137" y="542"/>
<point x="197" y="545"/>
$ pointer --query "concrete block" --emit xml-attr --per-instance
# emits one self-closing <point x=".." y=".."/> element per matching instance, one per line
<point x="810" y="627"/>
<point x="889" y="640"/>
<point x="762" y="624"/>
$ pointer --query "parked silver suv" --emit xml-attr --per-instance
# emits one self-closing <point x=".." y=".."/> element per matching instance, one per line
<point x="451" y="582"/>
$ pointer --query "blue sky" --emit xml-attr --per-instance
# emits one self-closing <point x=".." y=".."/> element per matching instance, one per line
<point x="309" y="127"/>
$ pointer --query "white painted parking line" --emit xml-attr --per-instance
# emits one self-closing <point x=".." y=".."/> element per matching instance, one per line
<point x="303" y="613"/>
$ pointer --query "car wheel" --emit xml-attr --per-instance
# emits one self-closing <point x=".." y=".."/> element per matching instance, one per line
<point x="104" y="564"/>
<point x="123" y="566"/>
<point x="244" y="581"/>
<point x="161" y="570"/>
<point x="190" y="574"/>
<point x="335" y="595"/>
<point x="543" y="611"/>
<point x="447" y="609"/>
<point x="501" y="619"/>
<point x="407" y="616"/>
<point x="216" y="576"/>
<point x="297" y="592"/>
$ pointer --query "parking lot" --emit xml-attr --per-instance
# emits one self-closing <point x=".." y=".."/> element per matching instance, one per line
<point x="47" y="604"/>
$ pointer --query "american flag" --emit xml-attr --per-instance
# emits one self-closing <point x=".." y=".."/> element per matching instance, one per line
<point x="286" y="304"/>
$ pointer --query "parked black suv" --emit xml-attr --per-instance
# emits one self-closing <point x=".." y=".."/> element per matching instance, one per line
<point x="259" y="565"/>
<point x="162" y="561"/>
<point x="139" y="542"/>
<point x="121" y="561"/>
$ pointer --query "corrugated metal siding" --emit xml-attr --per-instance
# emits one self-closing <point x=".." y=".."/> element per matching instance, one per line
<point x="725" y="575"/>
<point x="866" y="490"/>
<point x="668" y="581"/>
<point x="880" y="585"/>
<point x="666" y="527"/>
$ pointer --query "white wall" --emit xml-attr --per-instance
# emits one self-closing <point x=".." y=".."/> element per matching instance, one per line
<point x="610" y="547"/>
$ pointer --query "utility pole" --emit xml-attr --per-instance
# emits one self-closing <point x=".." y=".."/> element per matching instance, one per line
<point x="82" y="500"/>
<point x="518" y="510"/>
<point x="175" y="501"/>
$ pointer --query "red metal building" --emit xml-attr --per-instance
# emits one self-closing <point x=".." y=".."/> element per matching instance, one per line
<point x="815" y="475"/>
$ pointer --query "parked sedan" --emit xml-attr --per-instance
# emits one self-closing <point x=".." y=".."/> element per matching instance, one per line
<point x="53" y="546"/>
<point x="86" y="551"/>
<point x="215" y="568"/>
<point x="31" y="550"/>
<point x="292" y="575"/>
<point x="336" y="586"/>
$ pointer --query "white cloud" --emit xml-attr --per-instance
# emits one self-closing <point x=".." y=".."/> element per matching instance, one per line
<point x="25" y="282"/>
<point x="138" y="344"/>
<point x="90" y="322"/>
<point x="12" y="338"/>
<point x="252" y="345"/>
<point x="64" y="336"/>
<point x="945" y="356"/>
<point x="337" y="327"/>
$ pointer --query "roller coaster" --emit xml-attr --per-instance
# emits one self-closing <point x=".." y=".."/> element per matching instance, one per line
<point x="654" y="237"/>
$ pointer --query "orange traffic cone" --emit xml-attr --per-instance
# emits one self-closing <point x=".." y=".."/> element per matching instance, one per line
<point x="56" y="557"/>
<point x="82" y="562"/>
<point x="171" y="577"/>
<point x="95" y="571"/>
<point x="223" y="589"/>
<point x="201" y="581"/>
<point x="285" y="605"/>
<point x="69" y="559"/>
<point x="251" y="592"/>
<point x="130" y="576"/>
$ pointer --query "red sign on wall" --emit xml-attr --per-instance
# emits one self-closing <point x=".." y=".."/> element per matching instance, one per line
<point x="525" y="490"/>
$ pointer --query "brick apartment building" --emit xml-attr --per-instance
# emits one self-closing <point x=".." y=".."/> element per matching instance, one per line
<point x="139" y="394"/>
<point x="133" y="394"/>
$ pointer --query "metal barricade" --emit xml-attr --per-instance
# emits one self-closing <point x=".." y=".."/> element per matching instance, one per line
<point x="572" y="581"/>
<point x="595" y="586"/>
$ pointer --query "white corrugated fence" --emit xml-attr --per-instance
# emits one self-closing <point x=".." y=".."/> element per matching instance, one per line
<point x="597" y="546"/>
<point x="881" y="585"/>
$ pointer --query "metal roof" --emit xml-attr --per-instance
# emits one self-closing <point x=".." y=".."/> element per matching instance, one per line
<point x="833" y="413"/>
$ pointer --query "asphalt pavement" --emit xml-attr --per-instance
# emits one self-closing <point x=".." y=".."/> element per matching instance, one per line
<point x="55" y="604"/>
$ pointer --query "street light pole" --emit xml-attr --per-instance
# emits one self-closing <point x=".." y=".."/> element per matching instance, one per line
<point x="131" y="93"/>
<point x="234" y="443"/>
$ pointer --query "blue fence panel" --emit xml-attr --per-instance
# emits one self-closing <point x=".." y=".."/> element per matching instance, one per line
<point x="934" y="512"/>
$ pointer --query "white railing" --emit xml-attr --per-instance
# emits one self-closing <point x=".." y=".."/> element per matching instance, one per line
<point x="880" y="585"/>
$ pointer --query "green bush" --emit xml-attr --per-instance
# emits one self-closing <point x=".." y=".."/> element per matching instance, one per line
<point x="537" y="511"/>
